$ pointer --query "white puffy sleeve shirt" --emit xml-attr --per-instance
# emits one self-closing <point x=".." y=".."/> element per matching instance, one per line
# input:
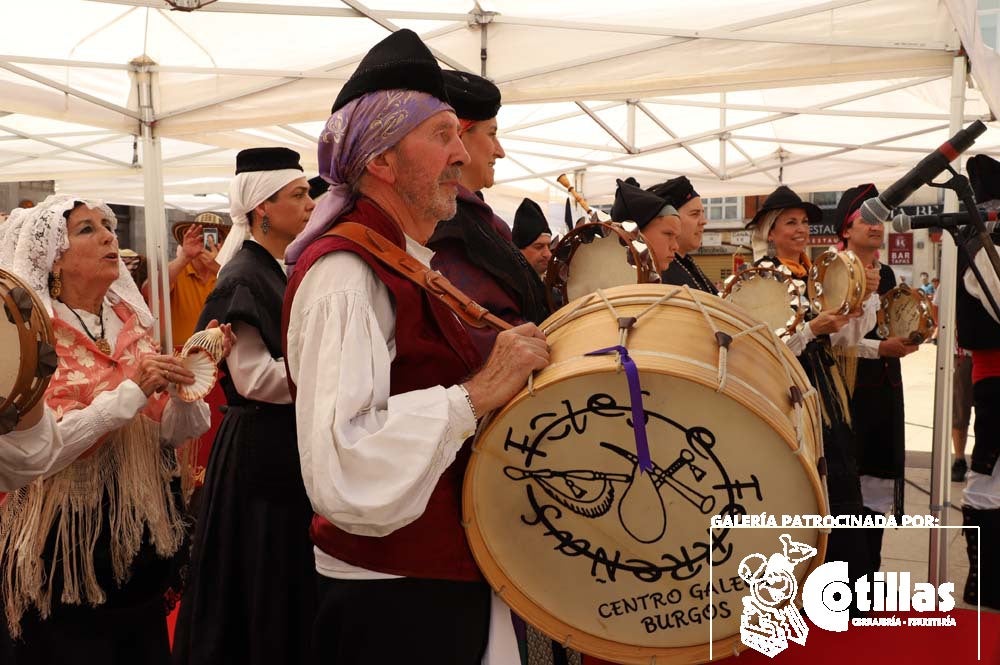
<point x="369" y="460"/>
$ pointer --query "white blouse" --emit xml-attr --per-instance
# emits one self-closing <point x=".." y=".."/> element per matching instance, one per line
<point x="50" y="445"/>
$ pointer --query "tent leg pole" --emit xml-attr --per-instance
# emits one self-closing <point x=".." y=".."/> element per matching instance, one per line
<point x="937" y="558"/>
<point x="155" y="217"/>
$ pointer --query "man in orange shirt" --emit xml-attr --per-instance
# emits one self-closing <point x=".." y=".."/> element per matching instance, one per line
<point x="193" y="272"/>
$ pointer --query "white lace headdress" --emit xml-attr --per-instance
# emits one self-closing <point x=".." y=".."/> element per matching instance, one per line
<point x="33" y="238"/>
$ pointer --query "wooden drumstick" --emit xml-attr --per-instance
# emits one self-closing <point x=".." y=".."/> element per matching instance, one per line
<point x="564" y="181"/>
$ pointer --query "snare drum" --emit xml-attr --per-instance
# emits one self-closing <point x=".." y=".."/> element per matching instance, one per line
<point x="614" y="562"/>
<point x="906" y="312"/>
<point x="837" y="283"/>
<point x="598" y="255"/>
<point x="29" y="358"/>
<point x="768" y="295"/>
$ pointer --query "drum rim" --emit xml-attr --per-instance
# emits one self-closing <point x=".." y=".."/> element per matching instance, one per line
<point x="926" y="325"/>
<point x="855" y="272"/>
<point x="644" y="263"/>
<point x="33" y="334"/>
<point x="571" y="636"/>
<point x="793" y="323"/>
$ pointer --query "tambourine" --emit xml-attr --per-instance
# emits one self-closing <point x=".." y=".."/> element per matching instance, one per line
<point x="906" y="312"/>
<point x="837" y="283"/>
<point x="29" y="358"/>
<point x="619" y="562"/>
<point x="769" y="295"/>
<point x="598" y="255"/>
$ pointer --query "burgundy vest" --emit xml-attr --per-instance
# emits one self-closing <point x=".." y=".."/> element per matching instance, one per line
<point x="432" y="348"/>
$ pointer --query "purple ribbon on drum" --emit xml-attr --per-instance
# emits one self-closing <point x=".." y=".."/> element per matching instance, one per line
<point x="635" y="395"/>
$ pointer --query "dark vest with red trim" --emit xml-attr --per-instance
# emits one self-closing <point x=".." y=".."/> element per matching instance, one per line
<point x="432" y="348"/>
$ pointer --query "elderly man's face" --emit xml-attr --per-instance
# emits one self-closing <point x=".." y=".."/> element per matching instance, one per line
<point x="428" y="167"/>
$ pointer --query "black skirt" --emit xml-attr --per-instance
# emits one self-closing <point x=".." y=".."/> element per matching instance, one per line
<point x="129" y="627"/>
<point x="840" y="452"/>
<point x="250" y="596"/>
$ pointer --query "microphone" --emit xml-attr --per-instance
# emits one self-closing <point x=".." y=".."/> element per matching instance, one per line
<point x="902" y="222"/>
<point x="878" y="210"/>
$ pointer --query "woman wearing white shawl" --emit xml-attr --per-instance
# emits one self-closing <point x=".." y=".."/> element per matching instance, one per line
<point x="87" y="552"/>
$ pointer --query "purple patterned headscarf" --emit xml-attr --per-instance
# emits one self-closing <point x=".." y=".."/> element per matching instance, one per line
<point x="357" y="133"/>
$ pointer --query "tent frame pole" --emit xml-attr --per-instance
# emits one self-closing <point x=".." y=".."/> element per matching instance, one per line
<point x="937" y="557"/>
<point x="155" y="216"/>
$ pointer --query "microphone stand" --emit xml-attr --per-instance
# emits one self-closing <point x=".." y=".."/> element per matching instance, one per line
<point x="959" y="184"/>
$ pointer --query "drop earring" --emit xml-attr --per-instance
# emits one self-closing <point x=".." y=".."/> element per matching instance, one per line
<point x="55" y="284"/>
<point x="265" y="225"/>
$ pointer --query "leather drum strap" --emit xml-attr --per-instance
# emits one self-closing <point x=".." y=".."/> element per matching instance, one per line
<point x="468" y="310"/>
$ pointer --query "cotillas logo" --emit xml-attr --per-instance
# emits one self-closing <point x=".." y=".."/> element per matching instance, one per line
<point x="770" y="619"/>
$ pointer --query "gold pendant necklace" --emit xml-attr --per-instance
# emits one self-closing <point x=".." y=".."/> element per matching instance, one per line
<point x="102" y="344"/>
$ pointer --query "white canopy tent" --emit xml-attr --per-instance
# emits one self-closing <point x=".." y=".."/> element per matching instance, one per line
<point x="129" y="101"/>
<point x="736" y="95"/>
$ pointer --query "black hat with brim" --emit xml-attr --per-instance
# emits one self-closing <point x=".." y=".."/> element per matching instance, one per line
<point x="676" y="191"/>
<point x="266" y="159"/>
<point x="401" y="61"/>
<point x="634" y="204"/>
<point x="529" y="223"/>
<point x="784" y="198"/>
<point x="473" y="97"/>
<point x="984" y="175"/>
<point x="850" y="201"/>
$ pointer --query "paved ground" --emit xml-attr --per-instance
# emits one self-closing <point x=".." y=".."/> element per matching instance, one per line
<point x="907" y="549"/>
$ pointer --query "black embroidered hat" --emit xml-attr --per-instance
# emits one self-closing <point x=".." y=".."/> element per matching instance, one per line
<point x="851" y="201"/>
<point x="400" y="61"/>
<point x="266" y="159"/>
<point x="635" y="204"/>
<point x="676" y="191"/>
<point x="984" y="175"/>
<point x="317" y="187"/>
<point x="783" y="198"/>
<point x="529" y="223"/>
<point x="473" y="97"/>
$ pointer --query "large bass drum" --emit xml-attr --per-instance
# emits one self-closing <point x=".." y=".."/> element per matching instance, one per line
<point x="621" y="564"/>
<point x="28" y="358"/>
